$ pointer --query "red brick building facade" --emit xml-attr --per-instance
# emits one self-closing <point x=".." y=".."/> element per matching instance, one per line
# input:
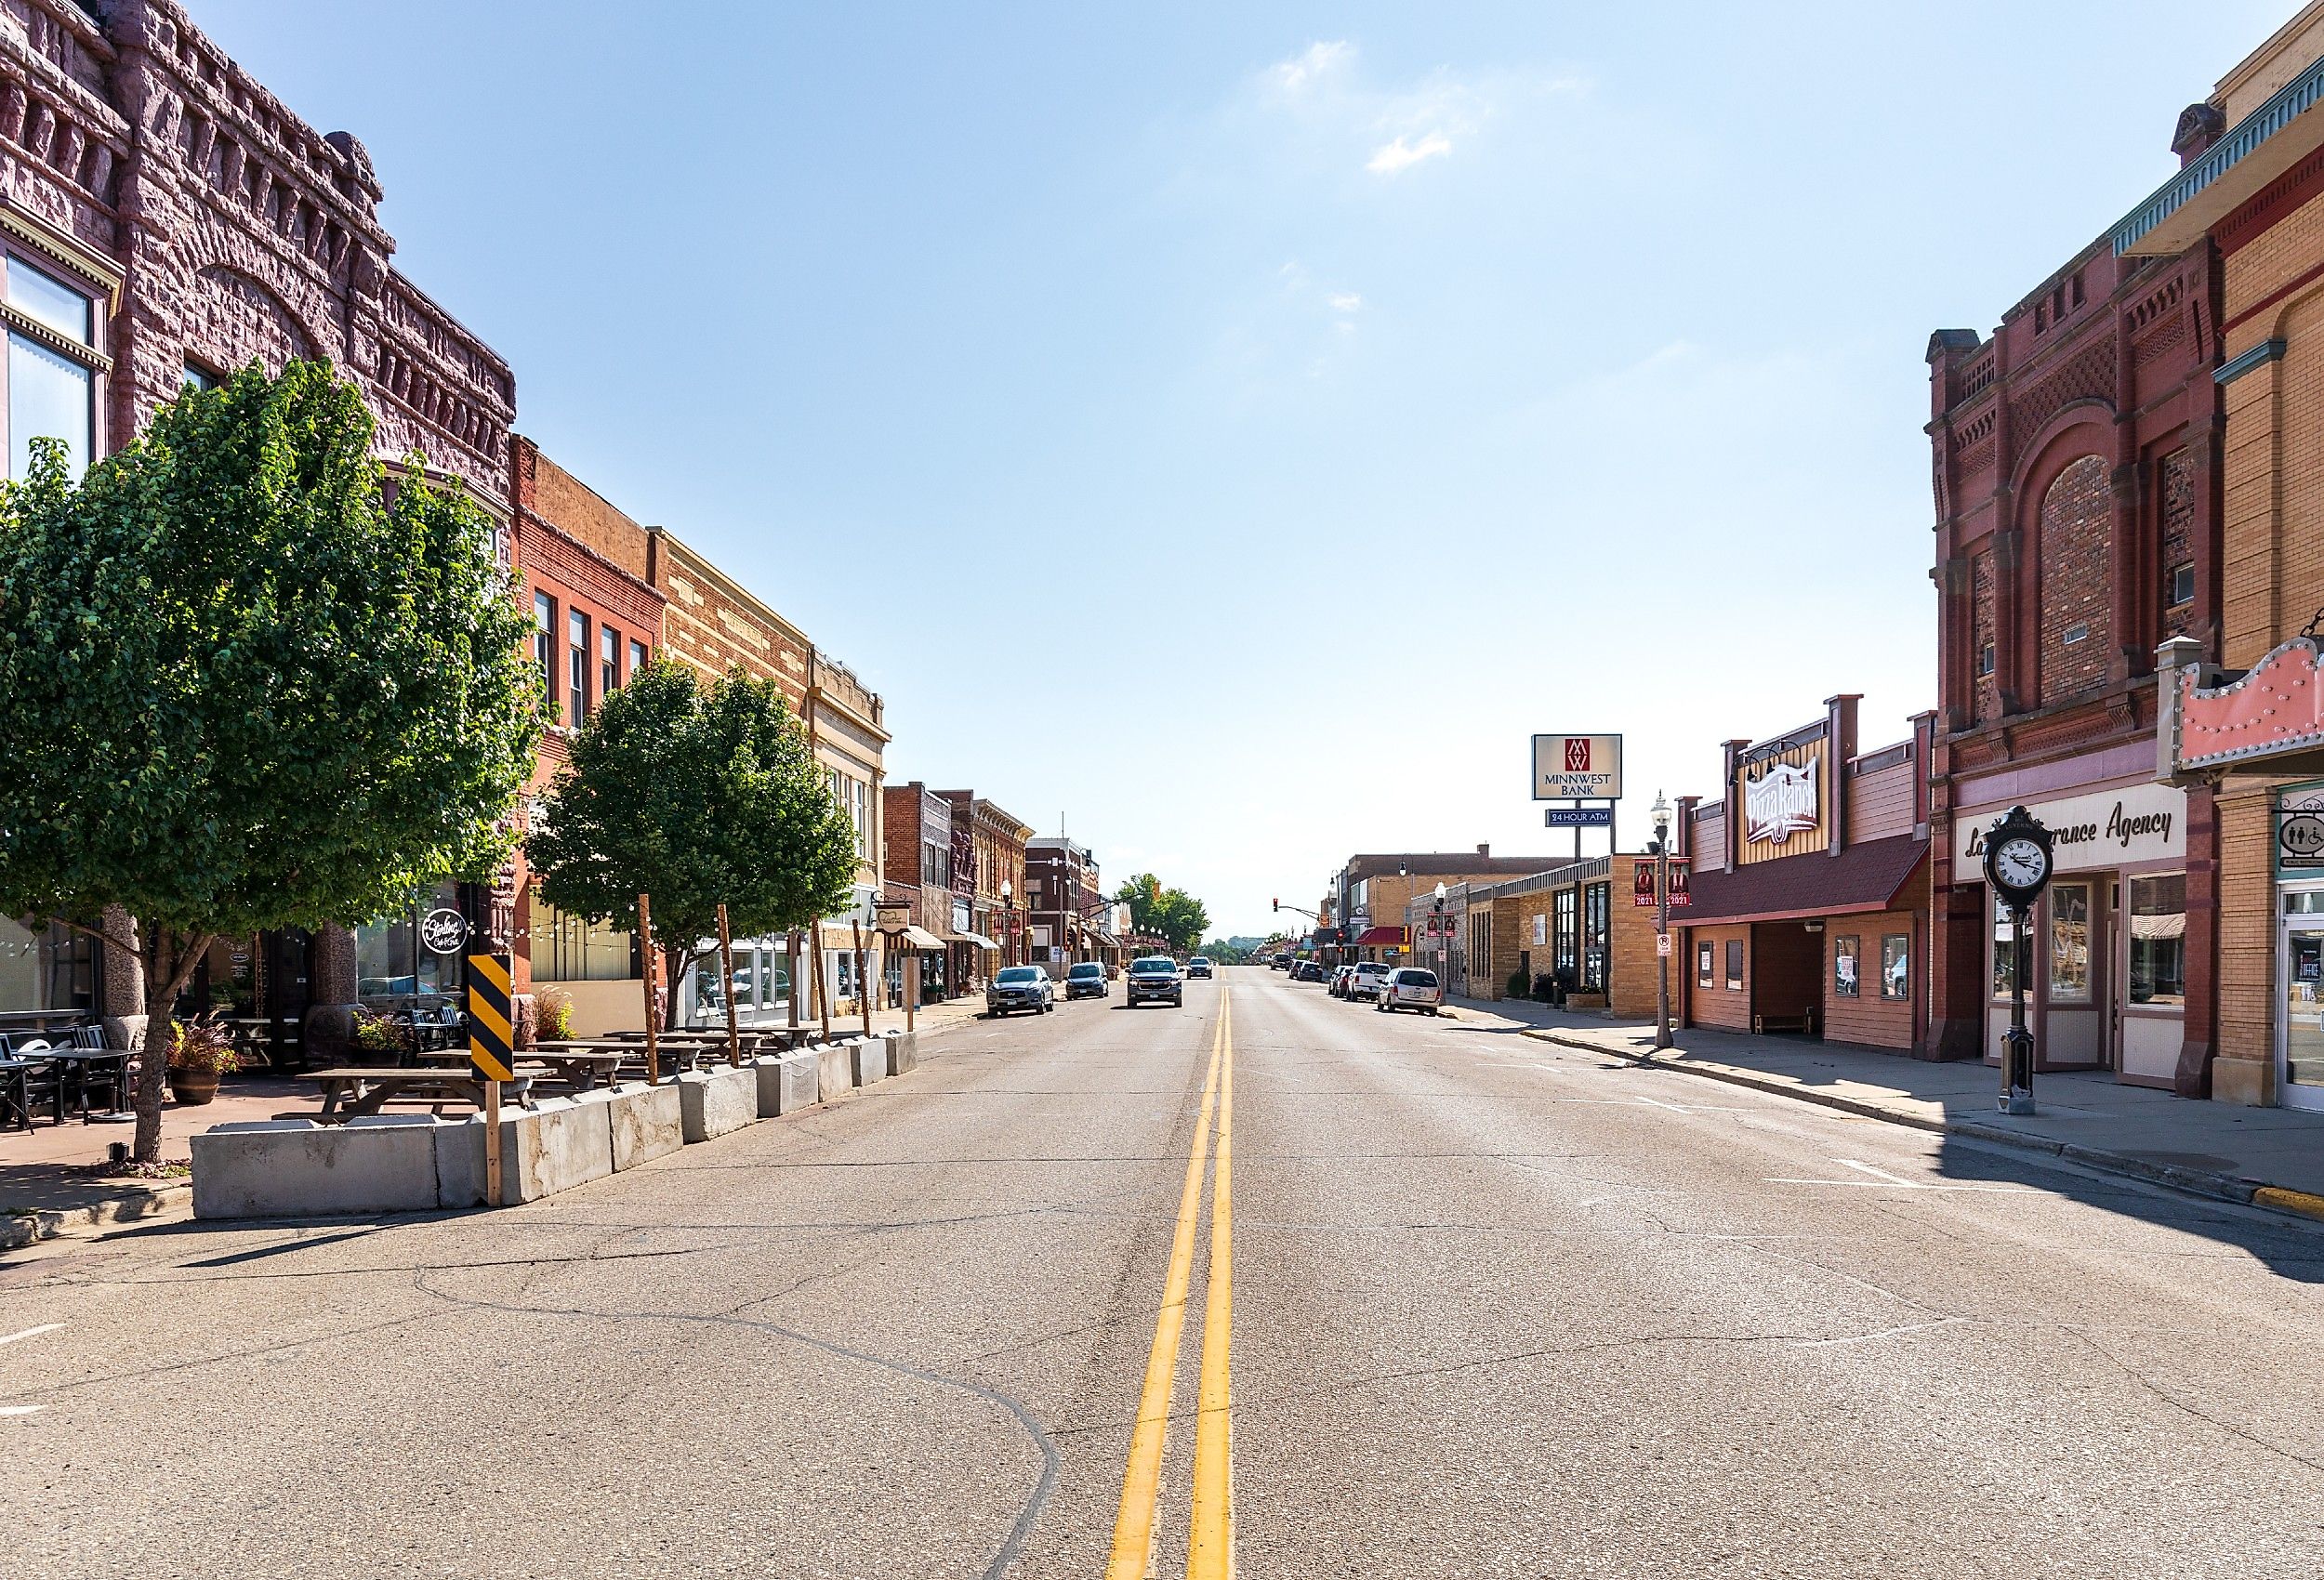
<point x="2077" y="454"/>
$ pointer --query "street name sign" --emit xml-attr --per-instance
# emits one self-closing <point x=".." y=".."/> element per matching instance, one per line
<point x="1576" y="767"/>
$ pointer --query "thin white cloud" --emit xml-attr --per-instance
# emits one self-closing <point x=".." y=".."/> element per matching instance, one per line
<point x="1344" y="301"/>
<point x="1317" y="62"/>
<point x="1392" y="158"/>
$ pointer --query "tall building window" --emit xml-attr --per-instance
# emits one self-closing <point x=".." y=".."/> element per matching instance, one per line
<point x="52" y="368"/>
<point x="576" y="667"/>
<point x="639" y="657"/>
<point x="545" y="642"/>
<point x="608" y="660"/>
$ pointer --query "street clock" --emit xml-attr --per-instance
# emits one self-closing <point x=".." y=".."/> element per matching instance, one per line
<point x="2018" y="859"/>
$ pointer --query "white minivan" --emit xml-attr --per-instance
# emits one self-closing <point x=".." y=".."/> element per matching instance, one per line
<point x="1409" y="987"/>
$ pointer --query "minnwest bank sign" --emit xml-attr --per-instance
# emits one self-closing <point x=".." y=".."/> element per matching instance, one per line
<point x="2110" y="828"/>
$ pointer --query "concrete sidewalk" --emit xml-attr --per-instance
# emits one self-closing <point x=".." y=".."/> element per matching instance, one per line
<point x="2270" y="1157"/>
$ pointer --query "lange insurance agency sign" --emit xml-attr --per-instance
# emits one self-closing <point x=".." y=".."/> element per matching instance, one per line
<point x="1576" y="767"/>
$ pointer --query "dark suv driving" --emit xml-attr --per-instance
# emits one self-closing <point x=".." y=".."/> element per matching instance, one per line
<point x="1156" y="977"/>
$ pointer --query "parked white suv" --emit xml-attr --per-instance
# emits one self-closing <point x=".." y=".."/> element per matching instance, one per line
<point x="1409" y="987"/>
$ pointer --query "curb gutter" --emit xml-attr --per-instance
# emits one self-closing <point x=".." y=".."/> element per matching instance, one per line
<point x="2194" y="1181"/>
<point x="22" y="1227"/>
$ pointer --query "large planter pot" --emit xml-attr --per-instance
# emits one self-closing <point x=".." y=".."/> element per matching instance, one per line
<point x="194" y="1086"/>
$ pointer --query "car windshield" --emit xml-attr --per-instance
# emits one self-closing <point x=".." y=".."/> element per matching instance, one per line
<point x="1149" y="967"/>
<point x="1371" y="967"/>
<point x="1086" y="969"/>
<point x="1015" y="974"/>
<point x="1199" y="960"/>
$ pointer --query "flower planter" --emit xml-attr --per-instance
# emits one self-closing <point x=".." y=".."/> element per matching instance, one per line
<point x="194" y="1086"/>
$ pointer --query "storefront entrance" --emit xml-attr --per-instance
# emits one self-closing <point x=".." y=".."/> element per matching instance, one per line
<point x="2300" y="1029"/>
<point x="1788" y="977"/>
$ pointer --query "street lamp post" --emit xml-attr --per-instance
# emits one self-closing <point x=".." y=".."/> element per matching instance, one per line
<point x="1661" y="814"/>
<point x="1444" y="940"/>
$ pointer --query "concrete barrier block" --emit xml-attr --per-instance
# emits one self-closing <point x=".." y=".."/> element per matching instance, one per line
<point x="296" y="1169"/>
<point x="871" y="1059"/>
<point x="787" y="1082"/>
<point x="246" y="1124"/>
<point x="715" y="1102"/>
<point x="904" y="1052"/>
<point x="835" y="1072"/>
<point x="648" y="1122"/>
<point x="551" y="1147"/>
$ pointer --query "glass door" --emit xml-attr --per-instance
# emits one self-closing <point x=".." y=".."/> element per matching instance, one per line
<point x="2300" y="1027"/>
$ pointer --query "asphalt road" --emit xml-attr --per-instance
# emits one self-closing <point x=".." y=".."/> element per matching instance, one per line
<point x="1498" y="1309"/>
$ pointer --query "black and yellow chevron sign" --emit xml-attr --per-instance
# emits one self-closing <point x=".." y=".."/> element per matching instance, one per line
<point x="491" y="1036"/>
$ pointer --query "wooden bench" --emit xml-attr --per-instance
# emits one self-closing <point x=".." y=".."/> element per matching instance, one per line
<point x="1763" y="1024"/>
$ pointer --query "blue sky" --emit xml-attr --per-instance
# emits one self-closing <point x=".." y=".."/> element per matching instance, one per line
<point x="1236" y="428"/>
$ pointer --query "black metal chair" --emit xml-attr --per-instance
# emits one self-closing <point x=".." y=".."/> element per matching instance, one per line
<point x="27" y="1078"/>
<point x="101" y="1069"/>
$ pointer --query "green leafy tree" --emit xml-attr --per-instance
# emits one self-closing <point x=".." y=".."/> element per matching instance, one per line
<point x="1168" y="914"/>
<point x="694" y="795"/>
<point x="248" y="690"/>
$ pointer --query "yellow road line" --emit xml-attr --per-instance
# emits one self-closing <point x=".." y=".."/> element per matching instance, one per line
<point x="1141" y="1480"/>
<point x="1210" y="1543"/>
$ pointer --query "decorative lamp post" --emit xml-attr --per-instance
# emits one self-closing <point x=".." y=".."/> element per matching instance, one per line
<point x="1660" y="813"/>
<point x="1444" y="940"/>
<point x="1008" y="925"/>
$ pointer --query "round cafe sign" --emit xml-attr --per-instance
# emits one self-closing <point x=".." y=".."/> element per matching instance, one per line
<point x="443" y="930"/>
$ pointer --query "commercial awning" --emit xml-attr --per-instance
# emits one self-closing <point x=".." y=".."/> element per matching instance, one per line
<point x="1381" y="937"/>
<point x="1862" y="877"/>
<point x="977" y="939"/>
<point x="920" y="938"/>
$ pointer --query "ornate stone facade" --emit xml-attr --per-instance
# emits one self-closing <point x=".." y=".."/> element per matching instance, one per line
<point x="237" y="229"/>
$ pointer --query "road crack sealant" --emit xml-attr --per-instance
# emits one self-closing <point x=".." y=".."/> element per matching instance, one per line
<point x="1041" y="1436"/>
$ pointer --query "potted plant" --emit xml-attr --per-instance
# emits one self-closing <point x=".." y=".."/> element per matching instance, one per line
<point x="200" y="1051"/>
<point x="382" y="1037"/>
<point x="553" y="1009"/>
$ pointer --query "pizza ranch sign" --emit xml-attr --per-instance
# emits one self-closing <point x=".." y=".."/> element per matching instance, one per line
<point x="2147" y="822"/>
<point x="1782" y="796"/>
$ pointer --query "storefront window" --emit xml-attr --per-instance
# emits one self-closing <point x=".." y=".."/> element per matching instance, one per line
<point x="1896" y="966"/>
<point x="2069" y="944"/>
<point x="567" y="949"/>
<point x="2158" y="939"/>
<point x="391" y="964"/>
<point x="1568" y="930"/>
<point x="2012" y="956"/>
<point x="1846" y="950"/>
<point x="1702" y="965"/>
<point x="54" y="968"/>
<point x="1734" y="964"/>
<point x="1597" y="926"/>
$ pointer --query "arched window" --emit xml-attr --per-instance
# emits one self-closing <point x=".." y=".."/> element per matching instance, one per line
<point x="2076" y="580"/>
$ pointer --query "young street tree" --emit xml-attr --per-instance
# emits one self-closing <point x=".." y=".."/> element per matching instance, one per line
<point x="249" y="691"/>
<point x="695" y="795"/>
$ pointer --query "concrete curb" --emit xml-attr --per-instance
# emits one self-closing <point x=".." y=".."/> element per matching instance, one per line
<point x="2193" y="1182"/>
<point x="23" y="1227"/>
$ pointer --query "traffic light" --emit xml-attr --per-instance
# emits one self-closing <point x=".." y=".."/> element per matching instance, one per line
<point x="1274" y="904"/>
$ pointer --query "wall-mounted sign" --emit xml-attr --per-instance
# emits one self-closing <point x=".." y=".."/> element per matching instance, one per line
<point x="1576" y="767"/>
<point x="442" y="931"/>
<point x="1783" y="796"/>
<point x="2106" y="828"/>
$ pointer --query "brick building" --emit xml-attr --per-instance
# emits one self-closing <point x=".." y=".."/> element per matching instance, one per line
<point x="1572" y="924"/>
<point x="1065" y="905"/>
<point x="1370" y="892"/>
<point x="2242" y="731"/>
<point x="993" y="935"/>
<point x="1809" y="880"/>
<point x="2077" y="464"/>
<point x="715" y="623"/>
<point x="918" y="870"/>
<point x="584" y="571"/>
<point x="165" y="218"/>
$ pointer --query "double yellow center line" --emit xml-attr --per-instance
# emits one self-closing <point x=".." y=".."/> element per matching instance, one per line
<point x="1210" y="1543"/>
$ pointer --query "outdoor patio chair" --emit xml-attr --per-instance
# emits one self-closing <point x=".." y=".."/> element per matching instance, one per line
<point x="105" y="1070"/>
<point x="27" y="1079"/>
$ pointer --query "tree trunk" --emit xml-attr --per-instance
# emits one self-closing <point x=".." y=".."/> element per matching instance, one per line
<point x="168" y="962"/>
<point x="674" y="963"/>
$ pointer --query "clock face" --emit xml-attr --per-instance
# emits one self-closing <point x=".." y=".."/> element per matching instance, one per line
<point x="2020" y="864"/>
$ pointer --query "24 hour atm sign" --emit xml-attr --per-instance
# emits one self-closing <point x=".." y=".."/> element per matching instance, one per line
<point x="1576" y="767"/>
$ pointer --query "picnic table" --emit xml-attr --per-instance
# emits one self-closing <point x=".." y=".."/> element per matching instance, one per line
<point x="577" y="1068"/>
<point x="349" y="1093"/>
